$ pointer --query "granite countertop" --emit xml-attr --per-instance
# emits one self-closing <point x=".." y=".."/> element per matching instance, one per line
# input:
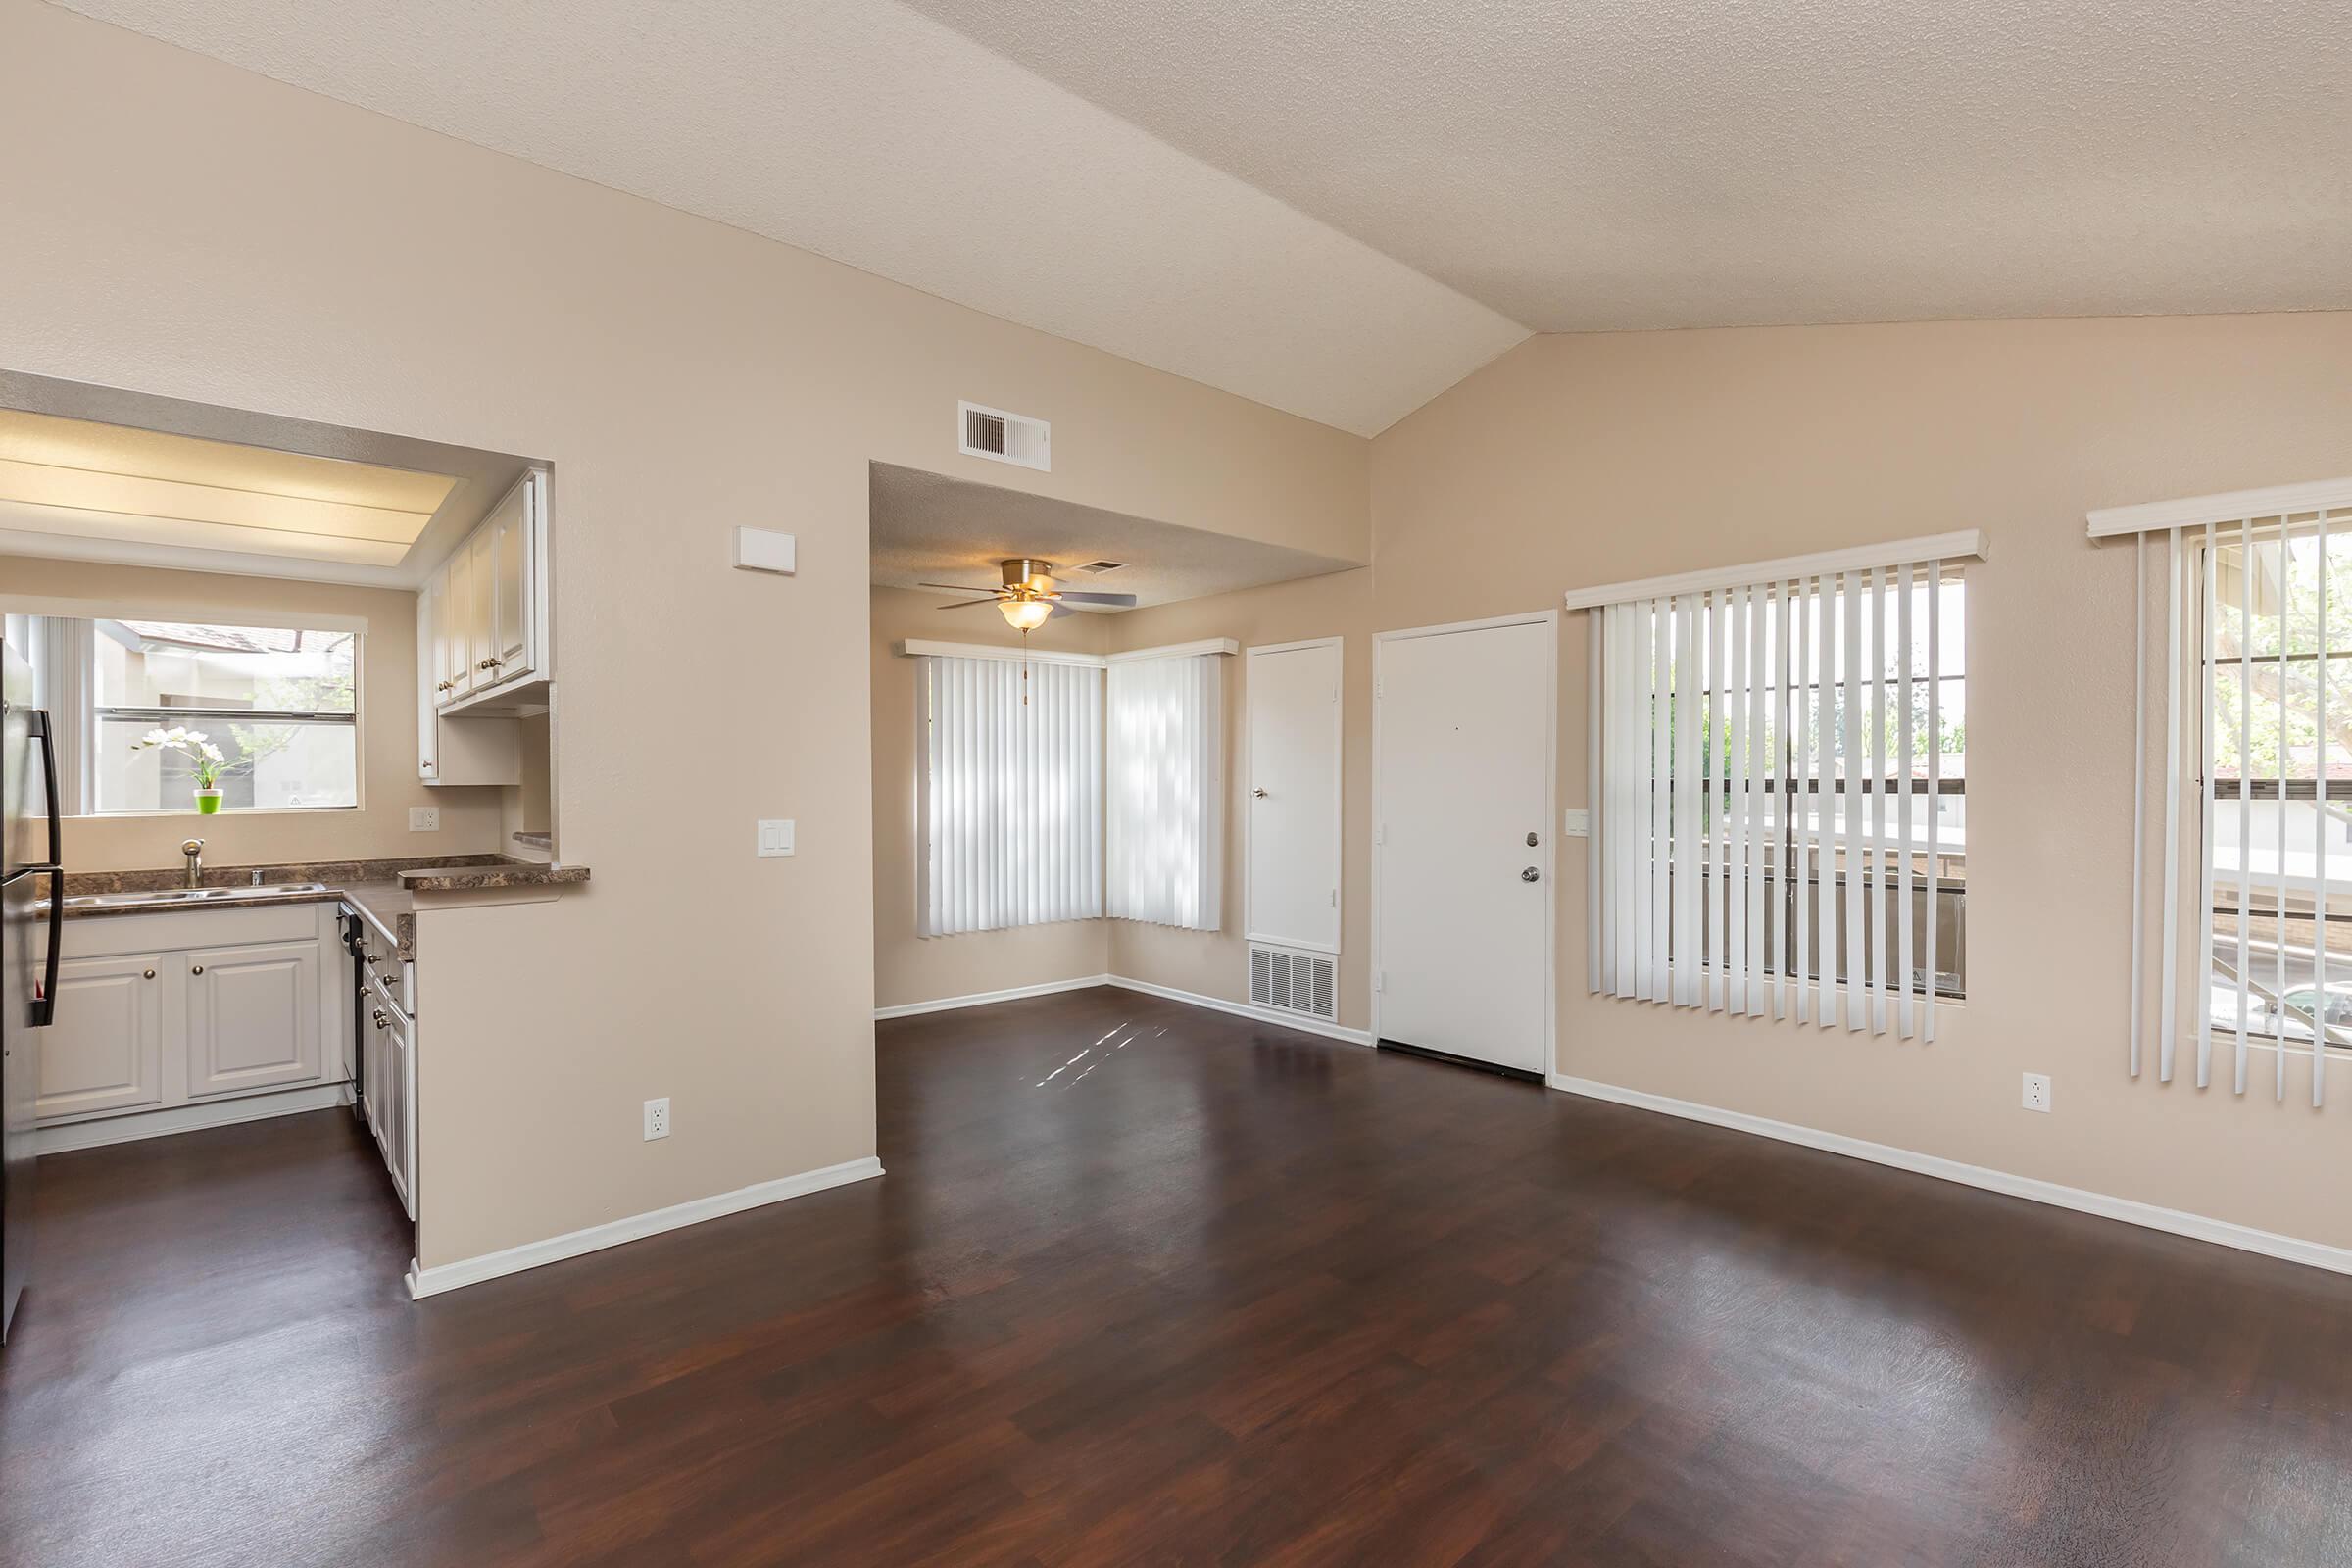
<point x="381" y="891"/>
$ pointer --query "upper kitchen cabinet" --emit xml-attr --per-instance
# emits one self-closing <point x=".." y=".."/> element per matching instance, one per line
<point x="483" y="611"/>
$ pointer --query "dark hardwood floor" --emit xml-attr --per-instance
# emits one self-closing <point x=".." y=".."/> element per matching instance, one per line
<point x="1150" y="1285"/>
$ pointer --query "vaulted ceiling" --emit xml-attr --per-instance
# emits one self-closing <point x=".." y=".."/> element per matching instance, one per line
<point x="1341" y="206"/>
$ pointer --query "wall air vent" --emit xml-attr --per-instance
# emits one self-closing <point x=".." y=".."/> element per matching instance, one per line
<point x="1001" y="437"/>
<point x="1294" y="982"/>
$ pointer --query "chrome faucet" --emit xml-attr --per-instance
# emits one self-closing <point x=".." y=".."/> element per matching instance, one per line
<point x="193" y="849"/>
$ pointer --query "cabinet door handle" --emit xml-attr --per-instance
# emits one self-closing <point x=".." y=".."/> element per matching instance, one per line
<point x="197" y="968"/>
<point x="149" y="975"/>
<point x="382" y="1022"/>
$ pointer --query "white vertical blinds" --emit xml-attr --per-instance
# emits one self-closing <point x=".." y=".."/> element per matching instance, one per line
<point x="2238" y="715"/>
<point x="1167" y="844"/>
<point x="1009" y="796"/>
<point x="1769" y="795"/>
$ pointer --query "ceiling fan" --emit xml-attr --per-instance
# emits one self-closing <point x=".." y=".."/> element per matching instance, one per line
<point x="1028" y="597"/>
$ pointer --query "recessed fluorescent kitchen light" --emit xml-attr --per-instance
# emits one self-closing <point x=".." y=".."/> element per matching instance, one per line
<point x="108" y="481"/>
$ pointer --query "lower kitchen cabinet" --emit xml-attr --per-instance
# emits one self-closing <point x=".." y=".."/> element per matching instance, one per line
<point x="163" y="1019"/>
<point x="105" y="1050"/>
<point x="392" y="1094"/>
<point x="253" y="1017"/>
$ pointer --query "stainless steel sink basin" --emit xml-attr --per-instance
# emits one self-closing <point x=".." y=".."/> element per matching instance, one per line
<point x="170" y="895"/>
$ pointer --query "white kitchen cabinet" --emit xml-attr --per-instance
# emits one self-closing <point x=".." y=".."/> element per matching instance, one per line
<point x="454" y="637"/>
<point x="455" y="747"/>
<point x="479" y="669"/>
<point x="430" y="621"/>
<point x="143" y="1044"/>
<point x="105" y="1049"/>
<point x="481" y="649"/>
<point x="253" y="1020"/>
<point x="512" y="557"/>
<point x="392" y="1092"/>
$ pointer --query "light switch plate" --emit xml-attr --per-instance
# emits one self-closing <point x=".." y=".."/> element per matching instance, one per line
<point x="424" y="820"/>
<point x="765" y="550"/>
<point x="1577" y="822"/>
<point x="775" y="837"/>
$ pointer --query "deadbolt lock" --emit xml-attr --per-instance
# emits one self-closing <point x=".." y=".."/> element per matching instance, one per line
<point x="1531" y="841"/>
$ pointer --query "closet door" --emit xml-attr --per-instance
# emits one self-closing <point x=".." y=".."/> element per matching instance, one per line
<point x="1293" y="878"/>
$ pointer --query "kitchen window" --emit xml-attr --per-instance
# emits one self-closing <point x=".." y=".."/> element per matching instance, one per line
<point x="280" y="704"/>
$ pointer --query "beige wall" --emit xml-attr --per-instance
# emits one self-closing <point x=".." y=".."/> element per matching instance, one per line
<point x="202" y="232"/>
<point x="908" y="968"/>
<point x="1215" y="963"/>
<point x="389" y="782"/>
<point x="1589" y="459"/>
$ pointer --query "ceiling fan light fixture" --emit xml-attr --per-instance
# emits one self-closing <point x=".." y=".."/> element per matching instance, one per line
<point x="1025" y="614"/>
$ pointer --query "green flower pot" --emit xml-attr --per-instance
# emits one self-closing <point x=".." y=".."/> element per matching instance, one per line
<point x="208" y="803"/>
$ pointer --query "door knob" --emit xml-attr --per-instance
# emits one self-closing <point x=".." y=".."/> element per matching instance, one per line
<point x="1528" y="875"/>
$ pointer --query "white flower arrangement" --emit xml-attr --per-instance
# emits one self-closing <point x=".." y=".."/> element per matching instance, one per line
<point x="193" y="744"/>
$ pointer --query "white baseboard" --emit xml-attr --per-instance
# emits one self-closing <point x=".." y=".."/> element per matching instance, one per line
<point x="2178" y="1222"/>
<point x="138" y="1124"/>
<point x="1246" y="1010"/>
<point x="981" y="999"/>
<point x="423" y="1282"/>
<point x="1240" y="1010"/>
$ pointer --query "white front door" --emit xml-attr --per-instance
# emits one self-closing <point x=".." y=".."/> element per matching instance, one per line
<point x="1462" y="784"/>
<point x="1293" y="880"/>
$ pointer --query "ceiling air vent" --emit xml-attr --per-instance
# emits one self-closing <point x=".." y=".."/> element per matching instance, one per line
<point x="1293" y="982"/>
<point x="1096" y="568"/>
<point x="1001" y="437"/>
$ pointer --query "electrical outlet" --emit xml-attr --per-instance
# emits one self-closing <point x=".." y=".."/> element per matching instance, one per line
<point x="2037" y="1092"/>
<point x="656" y="1119"/>
<point x="424" y="820"/>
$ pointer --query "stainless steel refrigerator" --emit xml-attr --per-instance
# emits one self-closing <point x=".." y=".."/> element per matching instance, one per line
<point x="31" y="903"/>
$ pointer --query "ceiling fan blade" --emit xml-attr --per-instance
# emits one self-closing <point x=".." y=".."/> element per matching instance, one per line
<point x="1122" y="601"/>
<point x="967" y="603"/>
<point x="956" y="587"/>
<point x="1059" y="610"/>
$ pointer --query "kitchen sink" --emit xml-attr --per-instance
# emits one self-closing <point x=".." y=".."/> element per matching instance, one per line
<point x="167" y="896"/>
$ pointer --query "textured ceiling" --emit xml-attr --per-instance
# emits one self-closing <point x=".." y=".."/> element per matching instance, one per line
<point x="1341" y="206"/>
<point x="871" y="133"/>
<point x="927" y="528"/>
<point x="1608" y="164"/>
